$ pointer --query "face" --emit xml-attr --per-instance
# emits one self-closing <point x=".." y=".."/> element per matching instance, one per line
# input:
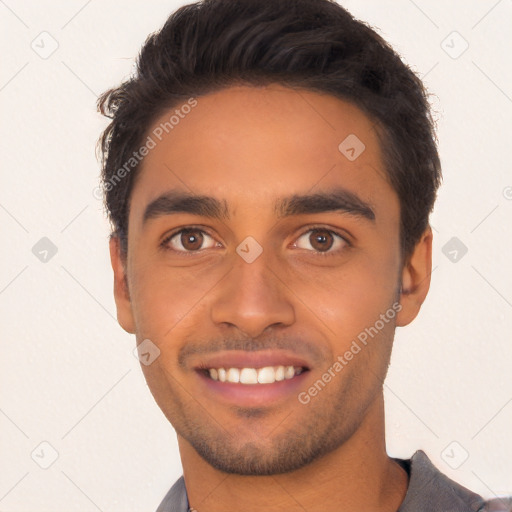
<point x="259" y="251"/>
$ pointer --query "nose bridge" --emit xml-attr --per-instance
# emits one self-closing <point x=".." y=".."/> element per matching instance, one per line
<point x="252" y="297"/>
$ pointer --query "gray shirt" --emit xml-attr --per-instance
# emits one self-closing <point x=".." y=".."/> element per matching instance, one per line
<point x="428" y="491"/>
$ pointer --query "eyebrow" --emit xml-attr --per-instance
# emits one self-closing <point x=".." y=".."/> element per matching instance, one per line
<point x="337" y="199"/>
<point x="180" y="202"/>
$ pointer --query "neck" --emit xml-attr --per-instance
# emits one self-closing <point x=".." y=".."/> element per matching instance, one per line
<point x="358" y="475"/>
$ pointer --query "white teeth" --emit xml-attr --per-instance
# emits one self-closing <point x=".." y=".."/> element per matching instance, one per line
<point x="289" y="372"/>
<point x="266" y="375"/>
<point x="233" y="375"/>
<point x="279" y="373"/>
<point x="249" y="376"/>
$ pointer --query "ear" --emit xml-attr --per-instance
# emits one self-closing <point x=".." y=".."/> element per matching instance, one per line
<point x="415" y="279"/>
<point x="121" y="292"/>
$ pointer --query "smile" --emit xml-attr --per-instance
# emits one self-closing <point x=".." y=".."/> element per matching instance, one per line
<point x="265" y="375"/>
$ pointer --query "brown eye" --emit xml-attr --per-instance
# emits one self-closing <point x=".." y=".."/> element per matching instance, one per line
<point x="190" y="240"/>
<point x="321" y="240"/>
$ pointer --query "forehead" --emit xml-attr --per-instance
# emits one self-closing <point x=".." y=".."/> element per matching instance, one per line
<point x="251" y="145"/>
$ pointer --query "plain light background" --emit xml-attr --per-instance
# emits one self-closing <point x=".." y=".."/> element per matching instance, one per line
<point x="68" y="375"/>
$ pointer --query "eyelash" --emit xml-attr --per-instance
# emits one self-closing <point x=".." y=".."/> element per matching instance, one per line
<point x="169" y="237"/>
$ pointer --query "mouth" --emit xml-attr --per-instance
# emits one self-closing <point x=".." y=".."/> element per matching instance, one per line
<point x="252" y="379"/>
<point x="251" y="376"/>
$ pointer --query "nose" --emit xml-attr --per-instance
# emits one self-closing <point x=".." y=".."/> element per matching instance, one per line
<point x="252" y="298"/>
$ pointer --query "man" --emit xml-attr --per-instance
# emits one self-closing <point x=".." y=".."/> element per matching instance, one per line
<point x="269" y="173"/>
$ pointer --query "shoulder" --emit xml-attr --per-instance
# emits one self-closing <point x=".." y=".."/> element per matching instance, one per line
<point x="431" y="490"/>
<point x="498" y="505"/>
<point x="176" y="499"/>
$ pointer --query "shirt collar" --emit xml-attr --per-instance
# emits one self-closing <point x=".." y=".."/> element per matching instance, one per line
<point x="430" y="490"/>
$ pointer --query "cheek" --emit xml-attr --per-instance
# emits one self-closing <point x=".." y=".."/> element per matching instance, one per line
<point x="166" y="300"/>
<point x="351" y="298"/>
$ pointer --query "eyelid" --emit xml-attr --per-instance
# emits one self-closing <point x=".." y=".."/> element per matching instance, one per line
<point x="342" y="233"/>
<point x="189" y="227"/>
<point x="332" y="231"/>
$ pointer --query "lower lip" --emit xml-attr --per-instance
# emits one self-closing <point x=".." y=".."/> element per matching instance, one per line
<point x="253" y="395"/>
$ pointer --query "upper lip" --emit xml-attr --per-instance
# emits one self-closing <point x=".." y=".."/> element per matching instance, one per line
<point x="253" y="359"/>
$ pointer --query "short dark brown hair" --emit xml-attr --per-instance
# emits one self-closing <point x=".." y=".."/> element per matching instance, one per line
<point x="312" y="45"/>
